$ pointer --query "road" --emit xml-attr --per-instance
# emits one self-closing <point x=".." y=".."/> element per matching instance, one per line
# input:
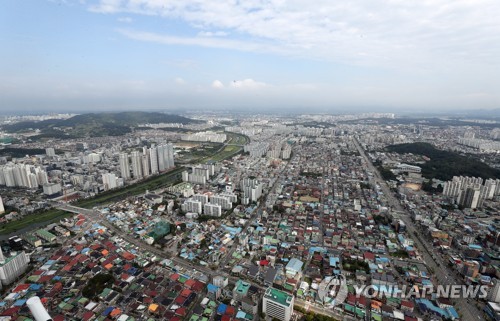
<point x="255" y="214"/>
<point x="442" y="273"/>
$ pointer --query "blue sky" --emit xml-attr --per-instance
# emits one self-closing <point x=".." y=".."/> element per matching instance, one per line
<point x="276" y="54"/>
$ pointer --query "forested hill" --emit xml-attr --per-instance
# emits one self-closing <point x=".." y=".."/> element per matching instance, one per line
<point x="444" y="164"/>
<point x="95" y="124"/>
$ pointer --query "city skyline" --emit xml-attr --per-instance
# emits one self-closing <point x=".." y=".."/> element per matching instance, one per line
<point x="144" y="55"/>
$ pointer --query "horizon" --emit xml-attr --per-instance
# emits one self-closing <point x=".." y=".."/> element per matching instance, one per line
<point x="91" y="55"/>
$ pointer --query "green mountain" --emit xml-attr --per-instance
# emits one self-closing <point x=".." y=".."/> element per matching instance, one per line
<point x="95" y="124"/>
<point x="444" y="164"/>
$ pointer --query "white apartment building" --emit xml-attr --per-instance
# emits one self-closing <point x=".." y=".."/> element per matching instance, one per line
<point x="12" y="267"/>
<point x="212" y="209"/>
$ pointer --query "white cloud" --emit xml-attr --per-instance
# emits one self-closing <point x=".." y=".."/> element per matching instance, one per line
<point x="179" y="81"/>
<point x="125" y="19"/>
<point x="212" y="34"/>
<point x="209" y="42"/>
<point x="387" y="31"/>
<point x="217" y="84"/>
<point x="247" y="83"/>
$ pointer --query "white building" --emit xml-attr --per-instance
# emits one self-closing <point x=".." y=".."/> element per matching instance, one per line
<point x="277" y="304"/>
<point x="52" y="188"/>
<point x="201" y="197"/>
<point x="136" y="159"/>
<point x="192" y="206"/>
<point x="223" y="201"/>
<point x="50" y="152"/>
<point x="212" y="209"/>
<point x="109" y="181"/>
<point x="124" y="166"/>
<point x="252" y="189"/>
<point x="153" y="158"/>
<point x="12" y="267"/>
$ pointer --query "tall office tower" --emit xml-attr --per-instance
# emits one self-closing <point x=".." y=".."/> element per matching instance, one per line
<point x="153" y="158"/>
<point x="277" y="304"/>
<point x="136" y="164"/>
<point x="124" y="166"/>
<point x="50" y="152"/>
<point x="145" y="165"/>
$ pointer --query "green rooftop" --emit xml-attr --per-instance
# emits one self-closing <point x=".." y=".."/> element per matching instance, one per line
<point x="278" y="296"/>
<point x="242" y="287"/>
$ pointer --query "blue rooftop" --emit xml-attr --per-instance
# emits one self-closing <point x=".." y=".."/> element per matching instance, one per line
<point x="334" y="260"/>
<point x="294" y="265"/>
<point x="222" y="308"/>
<point x="212" y="288"/>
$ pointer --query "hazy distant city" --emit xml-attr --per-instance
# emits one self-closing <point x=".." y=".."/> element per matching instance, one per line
<point x="220" y="216"/>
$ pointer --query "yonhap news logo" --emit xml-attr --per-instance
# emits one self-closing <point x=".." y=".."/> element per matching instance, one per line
<point x="450" y="291"/>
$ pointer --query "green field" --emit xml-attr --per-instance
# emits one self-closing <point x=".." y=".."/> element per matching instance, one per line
<point x="149" y="184"/>
<point x="48" y="216"/>
<point x="237" y="139"/>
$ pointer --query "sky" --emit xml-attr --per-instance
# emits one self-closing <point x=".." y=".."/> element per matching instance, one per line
<point x="323" y="55"/>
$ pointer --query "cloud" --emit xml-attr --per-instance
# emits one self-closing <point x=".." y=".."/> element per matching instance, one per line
<point x="247" y="83"/>
<point x="386" y="31"/>
<point x="125" y="19"/>
<point x="209" y="42"/>
<point x="212" y="34"/>
<point x="217" y="84"/>
<point x="179" y="81"/>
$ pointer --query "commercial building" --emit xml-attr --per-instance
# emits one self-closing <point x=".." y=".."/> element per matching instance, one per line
<point x="277" y="304"/>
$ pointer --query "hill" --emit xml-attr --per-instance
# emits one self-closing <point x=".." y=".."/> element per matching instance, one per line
<point x="95" y="124"/>
<point x="444" y="164"/>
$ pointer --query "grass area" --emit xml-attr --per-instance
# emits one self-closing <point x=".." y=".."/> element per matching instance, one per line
<point x="47" y="216"/>
<point x="227" y="152"/>
<point x="237" y="139"/>
<point x="135" y="189"/>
